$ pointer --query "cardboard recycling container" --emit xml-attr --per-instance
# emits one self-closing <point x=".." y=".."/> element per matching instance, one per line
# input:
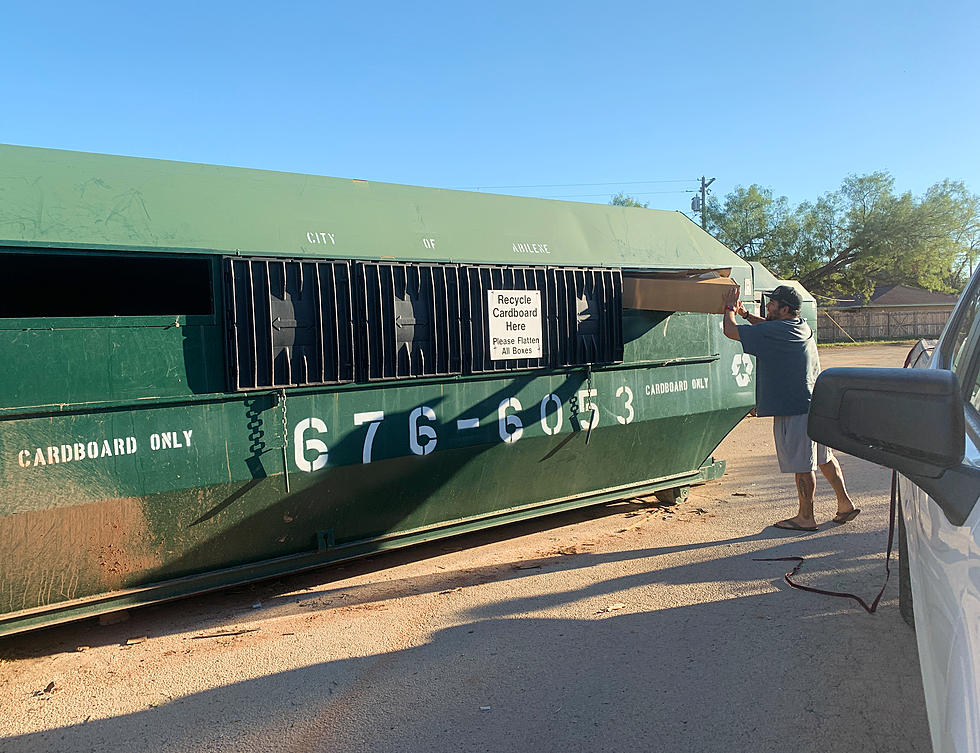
<point x="698" y="291"/>
<point x="380" y="347"/>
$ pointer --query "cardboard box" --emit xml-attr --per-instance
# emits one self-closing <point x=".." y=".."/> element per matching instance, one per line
<point x="698" y="291"/>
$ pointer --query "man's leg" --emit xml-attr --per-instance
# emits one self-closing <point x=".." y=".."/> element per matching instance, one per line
<point x="805" y="485"/>
<point x="795" y="450"/>
<point x="832" y="472"/>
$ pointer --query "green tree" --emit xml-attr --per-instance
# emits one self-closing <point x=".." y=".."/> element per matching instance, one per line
<point x="962" y="210"/>
<point x="865" y="234"/>
<point x="861" y="235"/>
<point x="754" y="224"/>
<point x="625" y="200"/>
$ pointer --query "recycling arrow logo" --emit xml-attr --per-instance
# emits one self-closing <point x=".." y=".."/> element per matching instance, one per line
<point x="742" y="369"/>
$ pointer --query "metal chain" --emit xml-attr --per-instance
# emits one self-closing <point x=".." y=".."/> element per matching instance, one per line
<point x="281" y="399"/>
<point x="592" y="402"/>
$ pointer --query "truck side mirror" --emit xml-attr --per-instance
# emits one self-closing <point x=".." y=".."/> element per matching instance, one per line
<point x="911" y="420"/>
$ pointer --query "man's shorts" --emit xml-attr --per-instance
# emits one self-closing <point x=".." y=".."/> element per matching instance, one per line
<point x="797" y="453"/>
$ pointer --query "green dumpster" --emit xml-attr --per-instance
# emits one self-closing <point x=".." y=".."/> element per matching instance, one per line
<point x="216" y="375"/>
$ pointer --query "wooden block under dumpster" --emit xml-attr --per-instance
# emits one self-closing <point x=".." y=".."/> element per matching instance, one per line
<point x="698" y="291"/>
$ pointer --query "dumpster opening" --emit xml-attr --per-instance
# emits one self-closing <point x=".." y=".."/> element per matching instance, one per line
<point x="694" y="290"/>
<point x="85" y="284"/>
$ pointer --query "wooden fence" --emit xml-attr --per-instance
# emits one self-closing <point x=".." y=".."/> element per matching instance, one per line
<point x="869" y="324"/>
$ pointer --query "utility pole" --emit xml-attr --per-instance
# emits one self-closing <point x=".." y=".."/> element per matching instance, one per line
<point x="704" y="202"/>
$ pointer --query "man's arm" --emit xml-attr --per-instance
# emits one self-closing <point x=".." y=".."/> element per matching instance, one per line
<point x="750" y="318"/>
<point x="732" y="304"/>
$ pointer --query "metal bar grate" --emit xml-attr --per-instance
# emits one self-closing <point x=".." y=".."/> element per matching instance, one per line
<point x="296" y="323"/>
<point x="408" y="320"/>
<point x="289" y="323"/>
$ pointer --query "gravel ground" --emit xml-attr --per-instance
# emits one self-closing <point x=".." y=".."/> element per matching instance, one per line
<point x="627" y="626"/>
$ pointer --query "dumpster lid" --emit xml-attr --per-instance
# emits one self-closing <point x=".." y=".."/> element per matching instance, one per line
<point x="102" y="202"/>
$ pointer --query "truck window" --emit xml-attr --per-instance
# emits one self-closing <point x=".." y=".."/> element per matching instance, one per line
<point x="961" y="339"/>
<point x="964" y="356"/>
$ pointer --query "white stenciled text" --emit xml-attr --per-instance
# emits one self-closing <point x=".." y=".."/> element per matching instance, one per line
<point x="97" y="449"/>
<point x="321" y="237"/>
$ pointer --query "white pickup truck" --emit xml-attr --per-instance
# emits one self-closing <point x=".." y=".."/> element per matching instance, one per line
<point x="925" y="423"/>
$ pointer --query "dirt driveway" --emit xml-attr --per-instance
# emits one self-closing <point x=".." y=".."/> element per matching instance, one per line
<point x="625" y="627"/>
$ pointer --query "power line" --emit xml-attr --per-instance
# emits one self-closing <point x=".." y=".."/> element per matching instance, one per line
<point x="637" y="193"/>
<point x="575" y="185"/>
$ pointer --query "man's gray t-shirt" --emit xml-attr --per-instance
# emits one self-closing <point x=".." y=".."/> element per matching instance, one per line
<point x="787" y="365"/>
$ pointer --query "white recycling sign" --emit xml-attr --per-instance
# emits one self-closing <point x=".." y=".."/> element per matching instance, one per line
<point x="514" y="318"/>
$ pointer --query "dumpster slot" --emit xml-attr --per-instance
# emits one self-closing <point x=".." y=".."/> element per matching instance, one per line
<point x="589" y="327"/>
<point x="698" y="290"/>
<point x="73" y="284"/>
<point x="289" y="323"/>
<point x="408" y="320"/>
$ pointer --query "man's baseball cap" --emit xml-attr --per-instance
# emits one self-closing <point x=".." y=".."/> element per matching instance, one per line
<point x="787" y="296"/>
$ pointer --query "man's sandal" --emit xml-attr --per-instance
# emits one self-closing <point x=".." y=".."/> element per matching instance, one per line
<point x="789" y="525"/>
<point x="846" y="517"/>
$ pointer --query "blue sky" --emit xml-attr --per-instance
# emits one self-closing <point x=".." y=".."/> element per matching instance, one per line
<point x="565" y="97"/>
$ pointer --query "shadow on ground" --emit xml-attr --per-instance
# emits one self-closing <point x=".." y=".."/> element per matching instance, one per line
<point x="702" y="677"/>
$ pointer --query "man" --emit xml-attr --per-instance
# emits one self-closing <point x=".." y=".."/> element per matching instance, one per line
<point x="787" y="365"/>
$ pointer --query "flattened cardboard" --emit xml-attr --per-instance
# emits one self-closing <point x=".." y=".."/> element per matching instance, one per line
<point x="676" y="292"/>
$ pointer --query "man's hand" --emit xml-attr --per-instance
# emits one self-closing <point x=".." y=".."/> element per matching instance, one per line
<point x="749" y="317"/>
<point x="731" y="305"/>
<point x="731" y="297"/>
